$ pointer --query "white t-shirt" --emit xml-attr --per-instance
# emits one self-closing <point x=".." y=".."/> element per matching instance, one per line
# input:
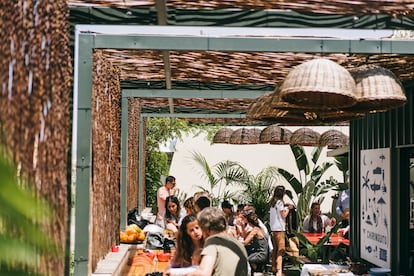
<point x="276" y="221"/>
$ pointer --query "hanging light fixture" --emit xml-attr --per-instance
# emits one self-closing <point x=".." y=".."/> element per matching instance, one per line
<point x="273" y="109"/>
<point x="377" y="89"/>
<point x="305" y="137"/>
<point x="262" y="110"/>
<point x="275" y="134"/>
<point x="243" y="136"/>
<point x="222" y="136"/>
<point x="319" y="83"/>
<point x="333" y="139"/>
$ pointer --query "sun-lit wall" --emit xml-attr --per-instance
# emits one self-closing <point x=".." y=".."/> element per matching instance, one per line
<point x="253" y="157"/>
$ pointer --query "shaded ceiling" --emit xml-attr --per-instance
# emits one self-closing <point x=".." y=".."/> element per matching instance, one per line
<point x="210" y="70"/>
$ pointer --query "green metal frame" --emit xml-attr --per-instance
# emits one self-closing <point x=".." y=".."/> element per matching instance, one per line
<point x="163" y="38"/>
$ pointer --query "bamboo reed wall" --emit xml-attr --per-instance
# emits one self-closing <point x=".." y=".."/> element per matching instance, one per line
<point x="35" y="78"/>
<point x="106" y="130"/>
<point x="134" y="108"/>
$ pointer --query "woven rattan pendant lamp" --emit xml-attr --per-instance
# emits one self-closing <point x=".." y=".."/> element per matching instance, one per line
<point x="319" y="83"/>
<point x="305" y="137"/>
<point x="222" y="136"/>
<point x="244" y="136"/>
<point x="377" y="89"/>
<point x="315" y="115"/>
<point x="275" y="134"/>
<point x="262" y="110"/>
<point x="333" y="139"/>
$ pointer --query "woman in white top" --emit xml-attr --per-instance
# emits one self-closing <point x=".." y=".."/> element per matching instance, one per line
<point x="277" y="220"/>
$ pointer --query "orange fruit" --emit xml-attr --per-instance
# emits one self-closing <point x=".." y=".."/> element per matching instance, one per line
<point x="132" y="237"/>
<point x="123" y="236"/>
<point x="141" y="236"/>
<point x="130" y="231"/>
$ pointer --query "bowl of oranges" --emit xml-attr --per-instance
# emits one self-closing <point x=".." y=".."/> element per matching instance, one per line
<point x="132" y="234"/>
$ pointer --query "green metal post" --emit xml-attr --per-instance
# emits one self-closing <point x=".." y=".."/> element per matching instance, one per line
<point x="124" y="161"/>
<point x="83" y="177"/>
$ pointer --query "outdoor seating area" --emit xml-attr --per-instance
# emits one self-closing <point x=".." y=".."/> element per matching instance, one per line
<point x="100" y="98"/>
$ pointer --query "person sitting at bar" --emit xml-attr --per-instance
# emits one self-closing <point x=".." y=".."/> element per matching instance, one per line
<point x="316" y="222"/>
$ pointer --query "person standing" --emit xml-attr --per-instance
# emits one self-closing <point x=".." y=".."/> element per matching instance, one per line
<point x="162" y="193"/>
<point x="342" y="207"/>
<point x="277" y="221"/>
<point x="222" y="253"/>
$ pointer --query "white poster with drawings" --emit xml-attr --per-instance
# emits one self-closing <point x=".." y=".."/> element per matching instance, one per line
<point x="375" y="207"/>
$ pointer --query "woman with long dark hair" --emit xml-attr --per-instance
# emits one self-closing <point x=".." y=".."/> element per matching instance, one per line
<point x="190" y="242"/>
<point x="256" y="242"/>
<point x="173" y="214"/>
<point x="277" y="219"/>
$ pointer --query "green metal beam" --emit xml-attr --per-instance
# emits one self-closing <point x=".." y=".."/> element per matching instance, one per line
<point x="252" y="44"/>
<point x="195" y="115"/>
<point x="193" y="93"/>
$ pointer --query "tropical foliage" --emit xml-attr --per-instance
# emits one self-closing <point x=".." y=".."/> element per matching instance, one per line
<point x="309" y="187"/>
<point x="221" y="177"/>
<point x="226" y="177"/>
<point x="312" y="251"/>
<point x="160" y="131"/>
<point x="259" y="189"/>
<point x="22" y="217"/>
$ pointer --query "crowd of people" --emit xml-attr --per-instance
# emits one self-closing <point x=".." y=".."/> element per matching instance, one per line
<point x="219" y="241"/>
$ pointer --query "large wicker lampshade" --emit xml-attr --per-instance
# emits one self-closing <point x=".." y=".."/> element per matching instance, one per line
<point x="377" y="89"/>
<point x="333" y="139"/>
<point x="275" y="134"/>
<point x="315" y="115"/>
<point x="305" y="137"/>
<point x="222" y="136"/>
<point x="243" y="136"/>
<point x="319" y="83"/>
<point x="262" y="110"/>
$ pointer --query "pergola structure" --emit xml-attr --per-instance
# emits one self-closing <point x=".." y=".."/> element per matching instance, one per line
<point x="202" y="47"/>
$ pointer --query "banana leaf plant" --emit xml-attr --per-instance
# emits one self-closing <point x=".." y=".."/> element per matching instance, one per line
<point x="312" y="251"/>
<point x="309" y="187"/>
<point x="23" y="239"/>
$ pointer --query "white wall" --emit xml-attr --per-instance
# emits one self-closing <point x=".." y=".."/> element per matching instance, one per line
<point x="252" y="157"/>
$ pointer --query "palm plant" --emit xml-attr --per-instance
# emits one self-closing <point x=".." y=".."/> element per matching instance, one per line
<point x="258" y="190"/>
<point x="221" y="177"/>
<point x="22" y="218"/>
<point x="308" y="187"/>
